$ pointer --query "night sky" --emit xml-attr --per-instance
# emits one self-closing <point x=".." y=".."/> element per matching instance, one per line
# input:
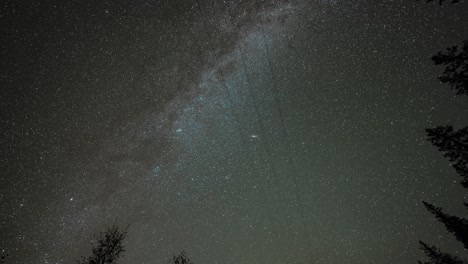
<point x="239" y="131"/>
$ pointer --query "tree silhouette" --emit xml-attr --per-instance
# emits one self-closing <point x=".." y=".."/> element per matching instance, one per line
<point x="180" y="259"/>
<point x="109" y="247"/>
<point x="458" y="226"/>
<point x="437" y="257"/>
<point x="455" y="74"/>
<point x="454" y="144"/>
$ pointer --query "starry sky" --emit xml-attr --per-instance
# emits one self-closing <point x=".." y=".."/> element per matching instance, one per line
<point x="239" y="131"/>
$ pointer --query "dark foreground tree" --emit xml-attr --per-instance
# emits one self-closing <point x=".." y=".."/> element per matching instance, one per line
<point x="109" y="247"/>
<point x="180" y="259"/>
<point x="435" y="256"/>
<point x="454" y="144"/>
<point x="455" y="60"/>
<point x="457" y="226"/>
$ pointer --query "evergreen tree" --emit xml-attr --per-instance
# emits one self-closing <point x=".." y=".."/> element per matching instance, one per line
<point x="455" y="60"/>
<point x="437" y="257"/>
<point x="455" y="225"/>
<point x="109" y="247"/>
<point x="454" y="145"/>
<point x="180" y="259"/>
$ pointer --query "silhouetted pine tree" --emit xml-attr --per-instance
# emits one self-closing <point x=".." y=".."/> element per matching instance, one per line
<point x="109" y="247"/>
<point x="454" y="145"/>
<point x="437" y="257"/>
<point x="455" y="60"/>
<point x="458" y="226"/>
<point x="180" y="259"/>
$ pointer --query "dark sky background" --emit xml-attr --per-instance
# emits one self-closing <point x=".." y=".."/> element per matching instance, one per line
<point x="238" y="131"/>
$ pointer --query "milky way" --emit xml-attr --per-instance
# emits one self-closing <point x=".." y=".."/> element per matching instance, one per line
<point x="238" y="131"/>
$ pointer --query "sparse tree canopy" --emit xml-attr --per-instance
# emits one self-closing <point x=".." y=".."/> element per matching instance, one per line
<point x="109" y="247"/>
<point x="437" y="257"/>
<point x="457" y="226"/>
<point x="454" y="145"/>
<point x="455" y="60"/>
<point x="180" y="259"/>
